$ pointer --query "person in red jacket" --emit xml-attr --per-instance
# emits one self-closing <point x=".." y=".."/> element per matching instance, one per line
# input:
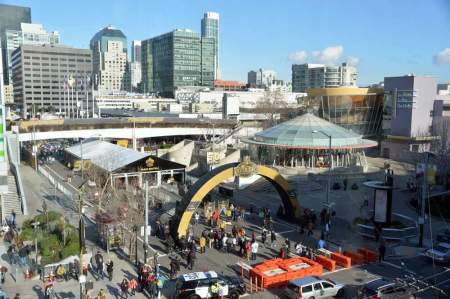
<point x="215" y="217"/>
<point x="132" y="285"/>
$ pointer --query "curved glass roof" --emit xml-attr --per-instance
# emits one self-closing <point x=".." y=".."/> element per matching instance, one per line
<point x="310" y="132"/>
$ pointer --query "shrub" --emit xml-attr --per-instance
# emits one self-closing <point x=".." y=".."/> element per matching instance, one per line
<point x="52" y="216"/>
<point x="27" y="233"/>
<point x="72" y="248"/>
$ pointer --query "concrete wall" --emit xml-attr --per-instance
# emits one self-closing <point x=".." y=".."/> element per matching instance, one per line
<point x="414" y="120"/>
<point x="181" y="152"/>
<point x="425" y="88"/>
<point x="401" y="120"/>
<point x="122" y="133"/>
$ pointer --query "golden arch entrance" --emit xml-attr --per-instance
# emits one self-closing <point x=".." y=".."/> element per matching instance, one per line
<point x="213" y="178"/>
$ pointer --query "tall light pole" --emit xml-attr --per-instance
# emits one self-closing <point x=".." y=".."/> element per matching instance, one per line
<point x="82" y="242"/>
<point x="146" y="224"/>
<point x="35" y="226"/>
<point x="424" y="195"/>
<point x="329" y="166"/>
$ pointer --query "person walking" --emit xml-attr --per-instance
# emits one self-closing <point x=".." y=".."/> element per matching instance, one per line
<point x="264" y="236"/>
<point x="273" y="238"/>
<point x="197" y="218"/>
<point x="310" y="228"/>
<point x="110" y="269"/>
<point x="247" y="249"/>
<point x="321" y="244"/>
<point x="326" y="231"/>
<point x="124" y="288"/>
<point x="101" y="294"/>
<point x="99" y="264"/>
<point x="215" y="217"/>
<point x="202" y="244"/>
<point x="224" y="242"/>
<point x="381" y="250"/>
<point x="132" y="285"/>
<point x="254" y="250"/>
<point x="153" y="289"/>
<point x="190" y="260"/>
<point x="173" y="267"/>
<point x="298" y="249"/>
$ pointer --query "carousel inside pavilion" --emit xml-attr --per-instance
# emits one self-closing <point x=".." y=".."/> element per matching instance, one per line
<point x="308" y="141"/>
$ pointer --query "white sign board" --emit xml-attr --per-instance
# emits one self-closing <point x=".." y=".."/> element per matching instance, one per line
<point x="82" y="278"/>
<point x="380" y="205"/>
<point x="148" y="230"/>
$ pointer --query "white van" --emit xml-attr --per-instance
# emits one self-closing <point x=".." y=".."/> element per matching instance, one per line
<point x="313" y="287"/>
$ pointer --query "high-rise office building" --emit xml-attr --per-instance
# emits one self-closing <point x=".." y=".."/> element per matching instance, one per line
<point x="51" y="78"/>
<point x="29" y="34"/>
<point x="136" y="64"/>
<point x="261" y="78"/>
<point x="136" y="51"/>
<point x="210" y="29"/>
<point x="11" y="17"/>
<point x="176" y="59"/>
<point x="110" y="60"/>
<point x="3" y="160"/>
<point x="305" y="76"/>
<point x="135" y="74"/>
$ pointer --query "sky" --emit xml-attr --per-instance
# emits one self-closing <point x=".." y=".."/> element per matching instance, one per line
<point x="381" y="37"/>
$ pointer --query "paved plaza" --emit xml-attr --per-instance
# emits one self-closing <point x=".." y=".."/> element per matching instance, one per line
<point x="260" y="194"/>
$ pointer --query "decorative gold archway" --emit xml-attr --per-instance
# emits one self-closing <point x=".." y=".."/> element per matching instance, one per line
<point x="212" y="179"/>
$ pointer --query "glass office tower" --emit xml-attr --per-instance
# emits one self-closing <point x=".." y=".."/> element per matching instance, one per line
<point x="176" y="59"/>
<point x="210" y="29"/>
<point x="11" y="17"/>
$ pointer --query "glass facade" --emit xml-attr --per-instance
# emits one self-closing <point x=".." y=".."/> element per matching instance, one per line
<point x="207" y="61"/>
<point x="10" y="19"/>
<point x="210" y="29"/>
<point x="356" y="109"/>
<point x="175" y="59"/>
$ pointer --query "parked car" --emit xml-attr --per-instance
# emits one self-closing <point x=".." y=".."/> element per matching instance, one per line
<point x="444" y="236"/>
<point x="198" y="285"/>
<point x="440" y="252"/>
<point x="387" y="289"/>
<point x="313" y="287"/>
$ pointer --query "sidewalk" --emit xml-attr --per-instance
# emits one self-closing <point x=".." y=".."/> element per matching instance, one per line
<point x="37" y="188"/>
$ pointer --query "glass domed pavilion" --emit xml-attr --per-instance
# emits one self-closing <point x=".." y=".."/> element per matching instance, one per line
<point x="305" y="142"/>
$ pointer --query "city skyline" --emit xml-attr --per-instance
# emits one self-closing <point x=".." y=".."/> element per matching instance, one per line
<point x="384" y="42"/>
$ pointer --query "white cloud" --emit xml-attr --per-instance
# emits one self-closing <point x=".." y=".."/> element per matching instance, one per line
<point x="353" y="61"/>
<point x="299" y="56"/>
<point x="329" y="55"/>
<point x="443" y="57"/>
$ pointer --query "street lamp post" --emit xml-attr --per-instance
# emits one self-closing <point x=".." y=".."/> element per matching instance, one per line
<point x="35" y="226"/>
<point x="146" y="224"/>
<point x="329" y="166"/>
<point x="82" y="277"/>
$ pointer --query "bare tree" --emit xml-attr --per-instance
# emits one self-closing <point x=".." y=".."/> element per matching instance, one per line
<point x="270" y="104"/>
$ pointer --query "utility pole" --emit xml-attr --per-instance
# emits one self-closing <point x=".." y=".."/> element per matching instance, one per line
<point x="82" y="162"/>
<point x="146" y="224"/>
<point x="423" y="200"/>
<point x="35" y="226"/>
<point x="82" y="278"/>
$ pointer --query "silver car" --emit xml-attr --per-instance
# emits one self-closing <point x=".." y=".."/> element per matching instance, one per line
<point x="313" y="287"/>
<point x="440" y="253"/>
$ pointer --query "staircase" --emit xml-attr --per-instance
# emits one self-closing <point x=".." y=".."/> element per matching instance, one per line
<point x="11" y="200"/>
